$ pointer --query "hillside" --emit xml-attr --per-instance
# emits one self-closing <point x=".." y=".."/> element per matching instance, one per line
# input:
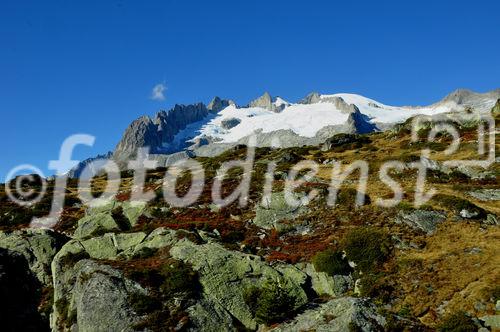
<point x="271" y="266"/>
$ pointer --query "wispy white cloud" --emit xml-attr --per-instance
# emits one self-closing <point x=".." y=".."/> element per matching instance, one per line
<point x="158" y="92"/>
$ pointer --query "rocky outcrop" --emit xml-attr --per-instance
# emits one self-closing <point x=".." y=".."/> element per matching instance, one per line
<point x="112" y="217"/>
<point x="275" y="210"/>
<point x="142" y="132"/>
<point x="96" y="163"/>
<point x="226" y="275"/>
<point x="38" y="246"/>
<point x="311" y="98"/>
<point x="324" y="284"/>
<point x="275" y="104"/>
<point x="337" y="315"/>
<point x="230" y="123"/>
<point x="159" y="132"/>
<point x="486" y="194"/>
<point x="358" y="123"/>
<point x="87" y="306"/>
<point x="421" y="220"/>
<point x="217" y="104"/>
<point x="80" y="282"/>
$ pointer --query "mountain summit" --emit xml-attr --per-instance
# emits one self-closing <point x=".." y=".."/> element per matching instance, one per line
<point x="209" y="129"/>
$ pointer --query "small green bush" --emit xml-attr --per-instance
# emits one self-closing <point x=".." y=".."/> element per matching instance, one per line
<point x="367" y="247"/>
<point x="179" y="278"/>
<point x="270" y="304"/>
<point x="331" y="262"/>
<point x="457" y="322"/>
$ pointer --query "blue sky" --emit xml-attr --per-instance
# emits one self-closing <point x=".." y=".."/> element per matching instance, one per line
<point x="90" y="66"/>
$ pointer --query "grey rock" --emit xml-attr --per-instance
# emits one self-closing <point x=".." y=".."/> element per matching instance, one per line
<point x="324" y="284"/>
<point x="277" y="209"/>
<point x="97" y="162"/>
<point x="486" y="194"/>
<point x="206" y="316"/>
<point x="311" y="98"/>
<point x="225" y="275"/>
<point x="491" y="321"/>
<point x="158" y="133"/>
<point x="217" y="104"/>
<point x="422" y="220"/>
<point x="337" y="315"/>
<point x="94" y="287"/>
<point x="100" y="220"/>
<point x="230" y="123"/>
<point x="38" y="246"/>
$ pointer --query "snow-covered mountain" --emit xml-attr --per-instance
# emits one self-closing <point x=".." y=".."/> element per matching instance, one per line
<point x="210" y="129"/>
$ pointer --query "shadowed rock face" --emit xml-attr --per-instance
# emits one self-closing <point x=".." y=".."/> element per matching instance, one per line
<point x="158" y="133"/>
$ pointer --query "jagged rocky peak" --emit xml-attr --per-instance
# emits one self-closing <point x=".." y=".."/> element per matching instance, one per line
<point x="217" y="104"/>
<point x="159" y="132"/>
<point x="276" y="104"/>
<point x="311" y="98"/>
<point x="141" y="132"/>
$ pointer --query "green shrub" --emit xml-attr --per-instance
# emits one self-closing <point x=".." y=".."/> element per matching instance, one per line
<point x="331" y="262"/>
<point x="367" y="247"/>
<point x="179" y="278"/>
<point x="457" y="322"/>
<point x="270" y="304"/>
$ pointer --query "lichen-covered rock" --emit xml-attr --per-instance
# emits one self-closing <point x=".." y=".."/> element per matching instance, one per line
<point x="38" y="246"/>
<point x="277" y="209"/>
<point x="486" y="194"/>
<point x="422" y="220"/>
<point x="337" y="315"/>
<point x="225" y="275"/>
<point x="324" y="284"/>
<point x="208" y="317"/>
<point x="98" y="300"/>
<point x="111" y="217"/>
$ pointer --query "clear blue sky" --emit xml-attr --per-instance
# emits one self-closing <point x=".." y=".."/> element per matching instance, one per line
<point x="89" y="66"/>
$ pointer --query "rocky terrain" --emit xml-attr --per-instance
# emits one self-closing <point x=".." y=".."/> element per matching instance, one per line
<point x="266" y="266"/>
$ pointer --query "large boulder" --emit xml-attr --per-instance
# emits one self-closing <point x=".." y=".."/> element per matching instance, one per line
<point x="111" y="217"/>
<point x="74" y="297"/>
<point x="38" y="246"/>
<point x="275" y="210"/>
<point x="337" y="315"/>
<point x="99" y="300"/>
<point x="226" y="275"/>
<point x="324" y="284"/>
